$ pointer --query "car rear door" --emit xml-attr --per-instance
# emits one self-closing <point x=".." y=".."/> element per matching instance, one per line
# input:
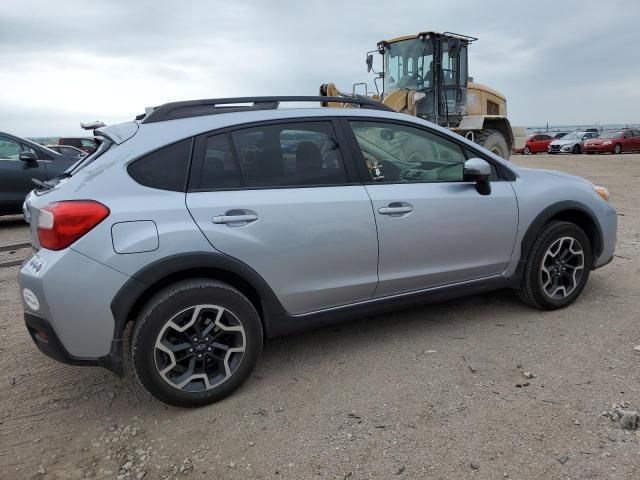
<point x="16" y="175"/>
<point x="284" y="198"/>
<point x="433" y="228"/>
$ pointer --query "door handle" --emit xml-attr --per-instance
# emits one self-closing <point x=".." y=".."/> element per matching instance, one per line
<point x="395" y="209"/>
<point x="236" y="217"/>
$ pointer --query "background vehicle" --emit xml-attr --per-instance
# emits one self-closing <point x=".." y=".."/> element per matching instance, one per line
<point x="571" y="142"/>
<point x="218" y="237"/>
<point x="536" y="143"/>
<point x="614" y="141"/>
<point x="560" y="135"/>
<point x="426" y="75"/>
<point x="86" y="144"/>
<point x="21" y="161"/>
<point x="67" y="150"/>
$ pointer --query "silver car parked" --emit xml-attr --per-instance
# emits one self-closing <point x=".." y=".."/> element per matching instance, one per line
<point x="213" y="225"/>
<point x="571" y="142"/>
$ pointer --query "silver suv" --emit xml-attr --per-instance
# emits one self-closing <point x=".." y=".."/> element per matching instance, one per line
<point x="212" y="225"/>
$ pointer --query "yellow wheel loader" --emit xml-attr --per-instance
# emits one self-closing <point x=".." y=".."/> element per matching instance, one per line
<point x="426" y="75"/>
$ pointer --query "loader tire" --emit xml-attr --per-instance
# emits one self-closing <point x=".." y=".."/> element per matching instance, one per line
<point x="493" y="141"/>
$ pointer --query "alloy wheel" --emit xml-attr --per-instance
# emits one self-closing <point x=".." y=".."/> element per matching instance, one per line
<point x="199" y="348"/>
<point x="562" y="268"/>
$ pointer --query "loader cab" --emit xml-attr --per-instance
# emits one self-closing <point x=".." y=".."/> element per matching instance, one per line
<point x="435" y="66"/>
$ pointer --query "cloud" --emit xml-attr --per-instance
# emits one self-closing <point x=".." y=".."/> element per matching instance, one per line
<point x="67" y="61"/>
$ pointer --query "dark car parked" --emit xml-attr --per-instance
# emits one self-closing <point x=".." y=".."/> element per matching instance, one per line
<point x="21" y="161"/>
<point x="67" y="150"/>
<point x="86" y="144"/>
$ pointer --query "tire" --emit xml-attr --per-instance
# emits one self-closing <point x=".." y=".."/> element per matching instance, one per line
<point x="532" y="290"/>
<point x="493" y="141"/>
<point x="617" y="149"/>
<point x="576" y="149"/>
<point x="227" y="322"/>
<point x="527" y="151"/>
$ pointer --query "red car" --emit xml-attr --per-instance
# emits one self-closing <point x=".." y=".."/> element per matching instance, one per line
<point x="86" y="144"/>
<point x="536" y="143"/>
<point x="614" y="141"/>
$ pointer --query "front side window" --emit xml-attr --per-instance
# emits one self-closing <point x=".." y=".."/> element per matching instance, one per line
<point x="9" y="149"/>
<point x="397" y="153"/>
<point x="282" y="155"/>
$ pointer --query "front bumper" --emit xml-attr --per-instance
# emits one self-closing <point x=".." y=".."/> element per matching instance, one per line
<point x="608" y="220"/>
<point x="598" y="148"/>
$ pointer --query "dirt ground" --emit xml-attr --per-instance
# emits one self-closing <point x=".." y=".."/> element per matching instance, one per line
<point x="387" y="397"/>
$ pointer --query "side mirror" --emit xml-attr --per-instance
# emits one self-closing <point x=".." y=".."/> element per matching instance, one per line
<point x="27" y="156"/>
<point x="369" y="62"/>
<point x="479" y="171"/>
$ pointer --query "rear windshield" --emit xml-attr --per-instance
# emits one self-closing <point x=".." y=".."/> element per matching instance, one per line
<point x="84" y="161"/>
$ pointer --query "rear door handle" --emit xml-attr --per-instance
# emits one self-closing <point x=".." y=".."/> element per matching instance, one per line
<point x="234" y="218"/>
<point x="396" y="209"/>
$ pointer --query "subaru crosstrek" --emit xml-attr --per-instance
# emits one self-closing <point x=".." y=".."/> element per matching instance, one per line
<point x="212" y="225"/>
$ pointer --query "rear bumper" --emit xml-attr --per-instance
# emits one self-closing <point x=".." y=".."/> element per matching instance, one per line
<point x="47" y="341"/>
<point x="69" y="306"/>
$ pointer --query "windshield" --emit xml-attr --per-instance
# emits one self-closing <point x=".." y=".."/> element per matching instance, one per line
<point x="612" y="134"/>
<point x="573" y="136"/>
<point x="408" y="65"/>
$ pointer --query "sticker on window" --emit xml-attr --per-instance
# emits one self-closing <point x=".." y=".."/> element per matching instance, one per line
<point x="375" y="169"/>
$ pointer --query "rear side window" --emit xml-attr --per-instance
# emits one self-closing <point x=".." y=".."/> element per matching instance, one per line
<point x="269" y="156"/>
<point x="165" y="169"/>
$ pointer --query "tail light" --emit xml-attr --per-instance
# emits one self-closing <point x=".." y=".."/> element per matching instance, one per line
<point x="62" y="223"/>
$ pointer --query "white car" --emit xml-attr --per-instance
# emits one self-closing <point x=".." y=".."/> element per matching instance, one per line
<point x="571" y="142"/>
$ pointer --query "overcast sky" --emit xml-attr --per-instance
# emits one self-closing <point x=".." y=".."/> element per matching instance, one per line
<point x="62" y="62"/>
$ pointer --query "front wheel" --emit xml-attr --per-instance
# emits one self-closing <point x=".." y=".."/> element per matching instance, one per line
<point x="617" y="149"/>
<point x="527" y="151"/>
<point x="557" y="267"/>
<point x="195" y="342"/>
<point x="576" y="149"/>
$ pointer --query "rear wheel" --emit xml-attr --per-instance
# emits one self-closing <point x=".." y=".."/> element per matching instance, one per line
<point x="557" y="267"/>
<point x="527" y="151"/>
<point x="493" y="141"/>
<point x="195" y="342"/>
<point x="617" y="149"/>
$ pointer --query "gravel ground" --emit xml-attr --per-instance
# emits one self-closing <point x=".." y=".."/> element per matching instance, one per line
<point x="430" y="392"/>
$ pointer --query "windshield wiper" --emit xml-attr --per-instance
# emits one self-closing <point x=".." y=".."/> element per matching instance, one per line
<point x="41" y="185"/>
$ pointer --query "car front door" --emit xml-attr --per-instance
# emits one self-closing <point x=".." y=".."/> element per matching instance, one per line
<point x="282" y="198"/>
<point x="636" y="139"/>
<point x="433" y="228"/>
<point x="626" y="142"/>
<point x="16" y="175"/>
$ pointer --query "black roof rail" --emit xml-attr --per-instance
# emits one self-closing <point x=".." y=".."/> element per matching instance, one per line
<point x="196" y="108"/>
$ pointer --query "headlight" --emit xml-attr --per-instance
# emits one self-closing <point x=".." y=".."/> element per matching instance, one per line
<point x="565" y="147"/>
<point x="608" y="142"/>
<point x="602" y="191"/>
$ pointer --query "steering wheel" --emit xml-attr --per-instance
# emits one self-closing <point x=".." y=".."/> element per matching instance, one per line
<point x="409" y="78"/>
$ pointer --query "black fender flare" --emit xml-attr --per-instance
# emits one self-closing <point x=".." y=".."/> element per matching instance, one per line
<point x="136" y="288"/>
<point x="547" y="214"/>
